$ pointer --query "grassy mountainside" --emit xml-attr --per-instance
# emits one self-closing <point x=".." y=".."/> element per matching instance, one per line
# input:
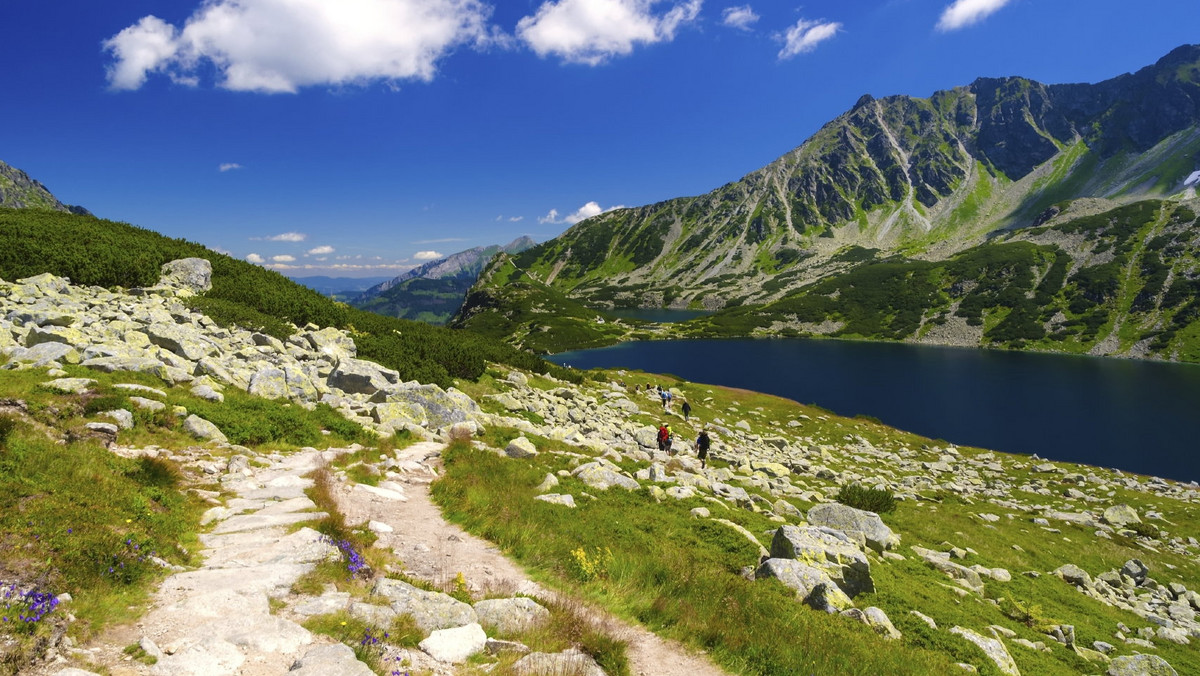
<point x="920" y="177"/>
<point x="106" y="253"/>
<point x="1125" y="281"/>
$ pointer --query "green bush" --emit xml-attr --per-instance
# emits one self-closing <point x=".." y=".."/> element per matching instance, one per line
<point x="878" y="500"/>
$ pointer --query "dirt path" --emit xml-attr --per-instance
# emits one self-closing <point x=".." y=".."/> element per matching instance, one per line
<point x="437" y="550"/>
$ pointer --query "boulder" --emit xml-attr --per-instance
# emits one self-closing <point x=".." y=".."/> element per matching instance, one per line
<point x="1074" y="575"/>
<point x="521" y="448"/>
<point x="71" y="385"/>
<point x="1140" y="665"/>
<point x="455" y="645"/>
<point x="44" y="353"/>
<point x="569" y="661"/>
<point x="202" y="429"/>
<point x="601" y="477"/>
<point x="813" y="585"/>
<point x="828" y="550"/>
<point x="356" y="376"/>
<point x="850" y="520"/>
<point x="1121" y="516"/>
<point x="960" y="573"/>
<point x="181" y="340"/>
<point x="991" y="647"/>
<point x="1135" y="570"/>
<point x="193" y="274"/>
<point x="269" y="383"/>
<point x="332" y="343"/>
<point x="441" y="407"/>
<point x="430" y="610"/>
<point x="335" y="659"/>
<point x="510" y="616"/>
<point x="566" y="500"/>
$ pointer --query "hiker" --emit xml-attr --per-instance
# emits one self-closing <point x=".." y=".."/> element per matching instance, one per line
<point x="702" y="444"/>
<point x="664" y="437"/>
<point x="687" y="410"/>
<point x="670" y="397"/>
<point x="665" y="396"/>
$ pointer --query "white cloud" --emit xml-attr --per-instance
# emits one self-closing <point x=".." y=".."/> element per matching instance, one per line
<point x="229" y="166"/>
<point x="283" y="258"/>
<point x="592" y="31"/>
<point x="321" y="250"/>
<point x="586" y="211"/>
<point x="739" y="17"/>
<point x="255" y="258"/>
<point x="283" y="45"/>
<point x="805" y="36"/>
<point x="964" y="13"/>
<point x="428" y="255"/>
<point x="283" y="237"/>
<point x="515" y="219"/>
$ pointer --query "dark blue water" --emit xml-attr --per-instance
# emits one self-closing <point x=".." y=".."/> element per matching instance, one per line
<point x="1137" y="416"/>
<point x="656" y="314"/>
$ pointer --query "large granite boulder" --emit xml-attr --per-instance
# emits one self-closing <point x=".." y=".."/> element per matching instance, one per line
<point x="441" y="407"/>
<point x="202" y="429"/>
<point x="828" y="550"/>
<point x="850" y="520"/>
<point x="1121" y="516"/>
<point x="569" y="661"/>
<point x="991" y="647"/>
<point x="357" y="376"/>
<point x="813" y="585"/>
<point x="332" y="343"/>
<point x="430" y="610"/>
<point x="192" y="274"/>
<point x="181" y="340"/>
<point x="455" y="645"/>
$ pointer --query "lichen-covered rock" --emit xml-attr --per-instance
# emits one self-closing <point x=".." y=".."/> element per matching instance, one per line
<point x="1140" y="665"/>
<point x="828" y="550"/>
<point x="202" y="429"/>
<point x="813" y="585"/>
<point x="1121" y="516"/>
<point x="332" y="343"/>
<point x="193" y="274"/>
<point x="603" y="477"/>
<point x="430" y="610"/>
<point x="455" y="645"/>
<point x="565" y="499"/>
<point x="72" y="385"/>
<point x="991" y="647"/>
<point x="183" y="341"/>
<point x="521" y="448"/>
<point x="362" y="377"/>
<point x="1074" y="575"/>
<point x="848" y="519"/>
<point x="510" y="616"/>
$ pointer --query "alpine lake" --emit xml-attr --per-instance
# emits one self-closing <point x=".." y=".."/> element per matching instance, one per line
<point x="1136" y="416"/>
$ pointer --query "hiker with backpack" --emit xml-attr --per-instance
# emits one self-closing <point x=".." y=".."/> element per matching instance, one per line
<point x="702" y="445"/>
<point x="687" y="410"/>
<point x="664" y="438"/>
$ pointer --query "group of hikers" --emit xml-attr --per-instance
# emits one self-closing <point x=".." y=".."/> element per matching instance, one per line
<point x="666" y="437"/>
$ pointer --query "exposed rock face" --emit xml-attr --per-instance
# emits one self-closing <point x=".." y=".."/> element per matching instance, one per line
<point x="193" y="274"/>
<point x="828" y="550"/>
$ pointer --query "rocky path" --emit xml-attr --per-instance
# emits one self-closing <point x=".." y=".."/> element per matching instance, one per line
<point x="236" y="615"/>
<point x="437" y="550"/>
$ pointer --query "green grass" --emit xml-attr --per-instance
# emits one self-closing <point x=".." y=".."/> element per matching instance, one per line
<point x="677" y="575"/>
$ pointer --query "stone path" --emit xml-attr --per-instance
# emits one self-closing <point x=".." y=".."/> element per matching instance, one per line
<point x="236" y="614"/>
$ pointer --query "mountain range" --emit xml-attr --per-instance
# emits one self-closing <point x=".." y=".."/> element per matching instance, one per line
<point x="913" y="182"/>
<point x="434" y="291"/>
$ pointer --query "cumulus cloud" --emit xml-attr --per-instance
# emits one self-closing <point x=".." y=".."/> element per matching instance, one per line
<point x="283" y="237"/>
<point x="283" y="45"/>
<point x="283" y="258"/>
<point x="321" y="250"/>
<point x="586" y="211"/>
<point x="228" y="166"/>
<point x="964" y="13"/>
<point x="739" y="17"/>
<point x="255" y="258"/>
<point x="428" y="255"/>
<point x="593" y="31"/>
<point x="805" y="36"/>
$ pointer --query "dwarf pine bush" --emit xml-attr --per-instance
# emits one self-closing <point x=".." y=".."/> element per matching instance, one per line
<point x="878" y="500"/>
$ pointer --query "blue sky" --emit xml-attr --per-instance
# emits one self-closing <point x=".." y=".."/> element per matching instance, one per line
<point x="362" y="137"/>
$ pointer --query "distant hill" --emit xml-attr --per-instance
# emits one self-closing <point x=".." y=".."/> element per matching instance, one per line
<point x="340" y="288"/>
<point x="19" y="191"/>
<point x="434" y="291"/>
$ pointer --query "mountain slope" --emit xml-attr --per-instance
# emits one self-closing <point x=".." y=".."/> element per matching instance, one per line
<point x="434" y="291"/>
<point x="19" y="191"/>
<point x="924" y="177"/>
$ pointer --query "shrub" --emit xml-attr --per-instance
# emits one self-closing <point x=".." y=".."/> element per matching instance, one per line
<point x="1146" y="530"/>
<point x="878" y="500"/>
